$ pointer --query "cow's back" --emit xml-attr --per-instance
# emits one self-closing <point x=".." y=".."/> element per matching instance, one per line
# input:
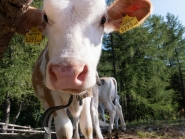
<point x="108" y="88"/>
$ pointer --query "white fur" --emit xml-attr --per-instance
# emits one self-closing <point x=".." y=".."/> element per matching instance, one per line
<point x="94" y="115"/>
<point x="108" y="95"/>
<point x="63" y="125"/>
<point x="83" y="33"/>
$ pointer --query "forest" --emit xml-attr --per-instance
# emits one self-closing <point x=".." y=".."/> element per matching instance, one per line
<point x="148" y="63"/>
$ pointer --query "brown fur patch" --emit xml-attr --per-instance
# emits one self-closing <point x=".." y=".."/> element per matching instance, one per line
<point x="31" y="18"/>
<point x="88" y="132"/>
<point x="90" y="93"/>
<point x="37" y="80"/>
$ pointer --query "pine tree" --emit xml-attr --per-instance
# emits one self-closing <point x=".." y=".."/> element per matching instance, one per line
<point x="176" y="45"/>
<point x="141" y="65"/>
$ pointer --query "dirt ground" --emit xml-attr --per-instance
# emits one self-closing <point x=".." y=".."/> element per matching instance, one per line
<point x="137" y="132"/>
<point x="149" y="132"/>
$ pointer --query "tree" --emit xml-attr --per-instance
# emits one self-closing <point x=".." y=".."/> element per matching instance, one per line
<point x="176" y="44"/>
<point x="16" y="70"/>
<point x="141" y="58"/>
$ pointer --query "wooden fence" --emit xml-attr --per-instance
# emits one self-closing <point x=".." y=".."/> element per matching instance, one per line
<point x="12" y="129"/>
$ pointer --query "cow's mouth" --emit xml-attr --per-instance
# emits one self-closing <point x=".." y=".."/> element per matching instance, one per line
<point x="74" y="91"/>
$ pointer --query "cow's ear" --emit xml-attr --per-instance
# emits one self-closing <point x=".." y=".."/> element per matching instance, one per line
<point x="31" y="18"/>
<point x="140" y="9"/>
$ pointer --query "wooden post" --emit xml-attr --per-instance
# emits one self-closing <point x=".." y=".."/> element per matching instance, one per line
<point x="21" y="129"/>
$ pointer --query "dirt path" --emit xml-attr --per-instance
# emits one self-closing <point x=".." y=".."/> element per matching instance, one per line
<point x="138" y="132"/>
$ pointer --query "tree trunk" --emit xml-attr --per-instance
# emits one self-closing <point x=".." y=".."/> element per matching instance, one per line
<point x="17" y="115"/>
<point x="113" y="57"/>
<point x="6" y="112"/>
<point x="10" y="13"/>
<point x="129" y="107"/>
<point x="181" y="77"/>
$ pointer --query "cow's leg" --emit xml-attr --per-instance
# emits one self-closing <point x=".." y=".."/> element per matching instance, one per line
<point x="85" y="119"/>
<point x="95" y="118"/>
<point x="102" y="111"/>
<point x="119" y="114"/>
<point x="63" y="125"/>
<point x="116" y="119"/>
<point x="76" y="130"/>
<point x="112" y="113"/>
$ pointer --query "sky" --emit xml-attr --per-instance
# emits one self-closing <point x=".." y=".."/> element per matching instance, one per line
<point x="175" y="7"/>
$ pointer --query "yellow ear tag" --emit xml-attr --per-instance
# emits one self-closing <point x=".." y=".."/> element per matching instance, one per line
<point x="128" y="23"/>
<point x="33" y="36"/>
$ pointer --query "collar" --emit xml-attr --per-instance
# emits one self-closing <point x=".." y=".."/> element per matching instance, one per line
<point x="87" y="93"/>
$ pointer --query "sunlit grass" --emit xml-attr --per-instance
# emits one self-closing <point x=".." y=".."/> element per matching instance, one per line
<point x="147" y="134"/>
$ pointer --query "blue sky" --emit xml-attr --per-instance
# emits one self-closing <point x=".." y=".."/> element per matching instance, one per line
<point x="175" y="7"/>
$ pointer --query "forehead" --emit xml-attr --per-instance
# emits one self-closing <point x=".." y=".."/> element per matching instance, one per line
<point x="81" y="9"/>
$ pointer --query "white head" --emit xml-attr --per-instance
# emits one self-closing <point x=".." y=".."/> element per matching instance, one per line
<point x="75" y="32"/>
<point x="74" y="29"/>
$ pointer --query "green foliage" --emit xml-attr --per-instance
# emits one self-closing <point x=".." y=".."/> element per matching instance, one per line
<point x="37" y="3"/>
<point x="16" y="68"/>
<point x="144" y="61"/>
<point x="15" y="73"/>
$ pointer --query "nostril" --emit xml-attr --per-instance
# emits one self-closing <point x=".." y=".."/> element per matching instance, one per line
<point x="83" y="73"/>
<point x="52" y="74"/>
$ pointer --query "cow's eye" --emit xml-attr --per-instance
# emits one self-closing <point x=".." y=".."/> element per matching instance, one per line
<point x="45" y="17"/>
<point x="103" y="20"/>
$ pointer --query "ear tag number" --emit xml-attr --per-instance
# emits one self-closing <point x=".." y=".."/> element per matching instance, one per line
<point x="128" y="23"/>
<point x="33" y="36"/>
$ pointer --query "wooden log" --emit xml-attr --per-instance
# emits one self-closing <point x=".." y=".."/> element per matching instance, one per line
<point x="26" y="131"/>
<point x="22" y="129"/>
<point x="18" y="126"/>
<point x="9" y="134"/>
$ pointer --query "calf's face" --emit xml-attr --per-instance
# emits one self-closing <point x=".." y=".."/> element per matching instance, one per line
<point x="74" y="29"/>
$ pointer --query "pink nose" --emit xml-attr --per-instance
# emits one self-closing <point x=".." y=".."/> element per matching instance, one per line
<point x="67" y="77"/>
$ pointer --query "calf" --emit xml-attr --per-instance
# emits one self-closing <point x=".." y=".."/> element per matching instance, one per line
<point x="119" y="114"/>
<point x="68" y="64"/>
<point x="108" y="98"/>
<point x="104" y="97"/>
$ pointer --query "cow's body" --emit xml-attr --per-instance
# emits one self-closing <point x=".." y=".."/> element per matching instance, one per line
<point x="119" y="114"/>
<point x="51" y="98"/>
<point x="68" y="64"/>
<point x="108" y="99"/>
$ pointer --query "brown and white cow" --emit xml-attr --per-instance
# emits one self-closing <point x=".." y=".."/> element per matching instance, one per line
<point x="109" y="100"/>
<point x="68" y="64"/>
